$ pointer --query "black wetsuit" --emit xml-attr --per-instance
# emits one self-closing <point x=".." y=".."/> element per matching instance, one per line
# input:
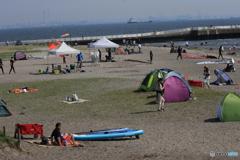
<point x="179" y="53"/>
<point x="151" y="55"/>
<point x="12" y="67"/>
<point x="220" y="53"/>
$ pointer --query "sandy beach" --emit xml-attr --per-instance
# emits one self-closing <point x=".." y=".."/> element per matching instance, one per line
<point x="164" y="137"/>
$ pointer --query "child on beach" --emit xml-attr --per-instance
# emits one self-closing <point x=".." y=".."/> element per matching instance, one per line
<point x="206" y="73"/>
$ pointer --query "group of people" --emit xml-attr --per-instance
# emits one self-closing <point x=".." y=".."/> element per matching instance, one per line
<point x="130" y="43"/>
<point x="11" y="65"/>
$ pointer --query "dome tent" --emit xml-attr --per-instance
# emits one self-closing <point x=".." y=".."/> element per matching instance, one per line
<point x="150" y="81"/>
<point x="229" y="108"/>
<point x="176" y="88"/>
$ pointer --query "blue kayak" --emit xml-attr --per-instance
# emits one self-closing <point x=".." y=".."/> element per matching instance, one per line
<point x="107" y="135"/>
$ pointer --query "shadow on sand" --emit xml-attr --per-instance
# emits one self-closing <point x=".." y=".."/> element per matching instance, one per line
<point x="152" y="96"/>
<point x="143" y="112"/>
<point x="151" y="103"/>
<point x="212" y="120"/>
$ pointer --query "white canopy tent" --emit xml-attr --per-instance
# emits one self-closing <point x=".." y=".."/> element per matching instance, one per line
<point x="103" y="43"/>
<point x="63" y="49"/>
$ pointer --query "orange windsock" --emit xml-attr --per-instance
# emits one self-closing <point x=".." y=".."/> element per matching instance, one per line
<point x="65" y="35"/>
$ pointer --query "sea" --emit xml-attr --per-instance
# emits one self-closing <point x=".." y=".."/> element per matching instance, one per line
<point x="115" y="29"/>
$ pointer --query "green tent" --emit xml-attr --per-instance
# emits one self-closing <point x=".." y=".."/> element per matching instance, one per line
<point x="150" y="81"/>
<point x="4" y="109"/>
<point x="229" y="109"/>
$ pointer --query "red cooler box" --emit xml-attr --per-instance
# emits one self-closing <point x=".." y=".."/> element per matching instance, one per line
<point x="195" y="83"/>
<point x="29" y="129"/>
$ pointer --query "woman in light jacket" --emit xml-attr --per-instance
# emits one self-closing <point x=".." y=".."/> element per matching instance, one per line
<point x="160" y="91"/>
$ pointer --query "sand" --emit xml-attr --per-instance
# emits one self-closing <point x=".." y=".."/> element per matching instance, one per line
<point x="192" y="139"/>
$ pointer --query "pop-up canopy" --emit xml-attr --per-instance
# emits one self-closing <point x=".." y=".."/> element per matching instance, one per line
<point x="63" y="49"/>
<point x="104" y="43"/>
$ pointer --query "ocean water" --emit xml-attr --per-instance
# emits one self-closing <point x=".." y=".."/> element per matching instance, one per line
<point x="105" y="29"/>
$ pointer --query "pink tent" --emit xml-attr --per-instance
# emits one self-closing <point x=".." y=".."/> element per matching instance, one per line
<point x="176" y="88"/>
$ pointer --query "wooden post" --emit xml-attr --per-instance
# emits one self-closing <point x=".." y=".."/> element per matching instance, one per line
<point x="4" y="133"/>
<point x="19" y="138"/>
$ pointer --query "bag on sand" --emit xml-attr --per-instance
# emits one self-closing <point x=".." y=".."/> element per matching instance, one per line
<point x="75" y="97"/>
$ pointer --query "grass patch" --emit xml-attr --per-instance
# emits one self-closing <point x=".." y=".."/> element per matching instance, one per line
<point x="107" y="101"/>
<point x="6" y="141"/>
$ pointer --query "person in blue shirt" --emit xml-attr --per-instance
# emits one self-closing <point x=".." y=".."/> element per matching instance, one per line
<point x="79" y="58"/>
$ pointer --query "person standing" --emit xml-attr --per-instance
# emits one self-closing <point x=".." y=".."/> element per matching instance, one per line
<point x="220" y="52"/>
<point x="100" y="55"/>
<point x="110" y="54"/>
<point x="134" y="43"/>
<point x="179" y="50"/>
<point x="151" y="56"/>
<point x="206" y="73"/>
<point x="64" y="59"/>
<point x="130" y="43"/>
<point x="124" y="41"/>
<point x="11" y="64"/>
<point x="79" y="58"/>
<point x="1" y="64"/>
<point x="186" y="43"/>
<point x="160" y="92"/>
<point x="139" y="41"/>
<point x="139" y="47"/>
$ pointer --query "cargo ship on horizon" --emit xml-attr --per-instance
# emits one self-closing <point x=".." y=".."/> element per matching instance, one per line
<point x="134" y="21"/>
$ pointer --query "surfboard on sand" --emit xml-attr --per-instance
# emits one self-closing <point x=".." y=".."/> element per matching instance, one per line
<point x="216" y="62"/>
<point x="107" y="135"/>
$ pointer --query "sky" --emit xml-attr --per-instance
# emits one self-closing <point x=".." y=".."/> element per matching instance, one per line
<point x="23" y="11"/>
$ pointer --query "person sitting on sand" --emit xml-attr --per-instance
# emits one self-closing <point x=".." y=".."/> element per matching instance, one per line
<point x="61" y="140"/>
<point x="206" y="73"/>
<point x="159" y="92"/>
<point x="234" y="53"/>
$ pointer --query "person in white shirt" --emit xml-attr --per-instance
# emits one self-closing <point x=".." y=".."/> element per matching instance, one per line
<point x="134" y="43"/>
<point x="124" y="41"/>
<point x="206" y="73"/>
<point x="186" y="43"/>
<point x="139" y="47"/>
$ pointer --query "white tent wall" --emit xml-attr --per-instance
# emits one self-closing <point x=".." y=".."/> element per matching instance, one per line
<point x="63" y="49"/>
